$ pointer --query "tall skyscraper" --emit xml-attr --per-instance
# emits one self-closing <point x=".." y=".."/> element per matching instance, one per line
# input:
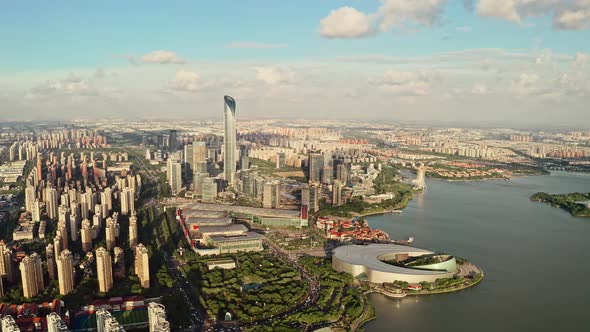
<point x="104" y="269"/>
<point x="65" y="272"/>
<point x="229" y="140"/>
<point x="199" y="153"/>
<point x="173" y="140"/>
<point x="175" y="176"/>
<point x="36" y="213"/>
<point x="55" y="323"/>
<point x="316" y="163"/>
<point x="31" y="275"/>
<point x="157" y="318"/>
<point x="142" y="265"/>
<point x="337" y="193"/>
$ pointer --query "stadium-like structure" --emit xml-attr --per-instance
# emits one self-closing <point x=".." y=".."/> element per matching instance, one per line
<point x="378" y="263"/>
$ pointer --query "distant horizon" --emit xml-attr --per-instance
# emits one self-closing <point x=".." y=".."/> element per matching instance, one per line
<point x="478" y="62"/>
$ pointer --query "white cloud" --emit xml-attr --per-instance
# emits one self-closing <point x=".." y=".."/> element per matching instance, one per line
<point x="256" y="45"/>
<point x="480" y="89"/>
<point x="162" y="57"/>
<point x="73" y="85"/>
<point x="394" y="13"/>
<point x="567" y="14"/>
<point x="405" y="83"/>
<point x="581" y="59"/>
<point x="275" y="75"/>
<point x="187" y="81"/>
<point x="346" y="22"/>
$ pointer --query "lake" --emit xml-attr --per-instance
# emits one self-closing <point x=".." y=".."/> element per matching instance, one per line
<point x="535" y="257"/>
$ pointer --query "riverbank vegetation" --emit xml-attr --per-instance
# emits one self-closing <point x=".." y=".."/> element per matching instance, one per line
<point x="572" y="202"/>
<point x="386" y="182"/>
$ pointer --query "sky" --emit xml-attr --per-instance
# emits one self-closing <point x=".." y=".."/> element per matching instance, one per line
<point x="481" y="62"/>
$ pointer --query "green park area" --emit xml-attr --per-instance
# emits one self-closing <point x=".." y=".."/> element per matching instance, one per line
<point x="339" y="302"/>
<point x="260" y="286"/>
<point x="574" y="203"/>
<point x="270" y="168"/>
<point x="386" y="182"/>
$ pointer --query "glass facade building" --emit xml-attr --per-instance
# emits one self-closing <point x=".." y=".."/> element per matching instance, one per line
<point x="229" y="140"/>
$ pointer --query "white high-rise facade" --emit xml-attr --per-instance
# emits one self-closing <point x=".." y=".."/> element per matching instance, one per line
<point x="229" y="140"/>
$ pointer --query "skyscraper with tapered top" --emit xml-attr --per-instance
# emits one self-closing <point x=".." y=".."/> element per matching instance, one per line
<point x="229" y="140"/>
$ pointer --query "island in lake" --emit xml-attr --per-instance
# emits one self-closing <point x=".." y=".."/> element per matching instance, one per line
<point x="577" y="204"/>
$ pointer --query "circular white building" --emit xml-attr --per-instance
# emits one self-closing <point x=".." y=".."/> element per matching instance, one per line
<point x="369" y="262"/>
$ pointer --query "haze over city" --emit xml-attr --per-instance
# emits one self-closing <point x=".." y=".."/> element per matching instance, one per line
<point x="517" y="63"/>
<point x="294" y="166"/>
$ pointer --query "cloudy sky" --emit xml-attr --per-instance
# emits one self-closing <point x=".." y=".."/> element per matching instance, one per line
<point x="486" y="62"/>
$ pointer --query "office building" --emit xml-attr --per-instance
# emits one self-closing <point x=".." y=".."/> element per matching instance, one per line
<point x="229" y="140"/>
<point x="208" y="190"/>
<point x="65" y="272"/>
<point x="104" y="270"/>
<point x="31" y="275"/>
<point x="173" y="140"/>
<point x="310" y="197"/>
<point x="157" y="318"/>
<point x="175" y="176"/>
<point x="55" y="323"/>
<point x="337" y="193"/>
<point x="199" y="154"/>
<point x="316" y="163"/>
<point x="271" y="198"/>
<point x="142" y="265"/>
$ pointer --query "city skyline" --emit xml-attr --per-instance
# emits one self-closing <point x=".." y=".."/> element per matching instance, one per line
<point x="525" y="64"/>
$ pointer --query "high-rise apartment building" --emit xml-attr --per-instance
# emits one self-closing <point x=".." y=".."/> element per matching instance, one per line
<point x="7" y="266"/>
<point x="31" y="275"/>
<point x="36" y="213"/>
<point x="104" y="270"/>
<point x="157" y="318"/>
<point x="229" y="140"/>
<point x="51" y="264"/>
<point x="132" y="231"/>
<point x="127" y="196"/>
<point x="55" y="323"/>
<point x="30" y="196"/>
<point x="110" y="233"/>
<point x="105" y="322"/>
<point x="65" y="272"/>
<point x="86" y="235"/>
<point x="51" y="202"/>
<point x="9" y="324"/>
<point x="142" y="265"/>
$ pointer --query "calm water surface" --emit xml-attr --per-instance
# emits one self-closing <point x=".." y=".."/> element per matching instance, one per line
<point x="536" y="258"/>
